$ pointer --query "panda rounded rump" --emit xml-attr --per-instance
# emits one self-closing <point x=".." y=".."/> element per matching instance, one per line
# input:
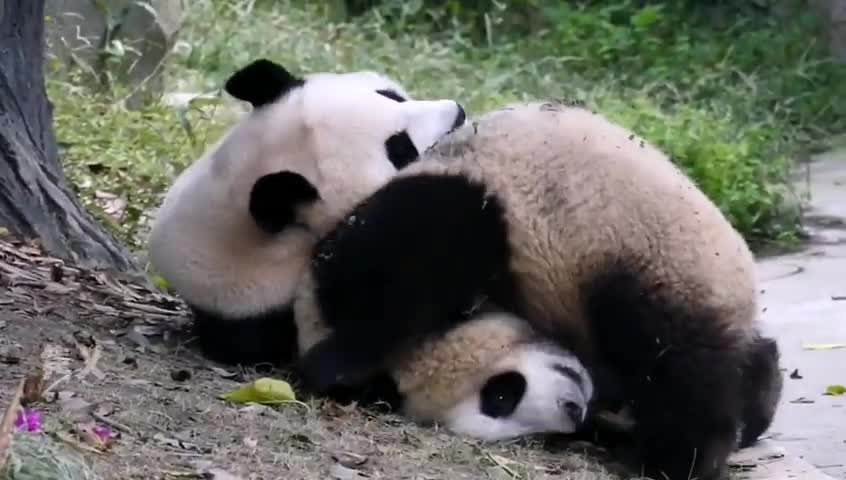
<point x="579" y="226"/>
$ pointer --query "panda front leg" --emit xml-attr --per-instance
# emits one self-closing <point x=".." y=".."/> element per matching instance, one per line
<point x="681" y="371"/>
<point x="403" y="266"/>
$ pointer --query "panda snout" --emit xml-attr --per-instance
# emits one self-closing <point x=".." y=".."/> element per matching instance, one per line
<point x="574" y="411"/>
<point x="459" y="117"/>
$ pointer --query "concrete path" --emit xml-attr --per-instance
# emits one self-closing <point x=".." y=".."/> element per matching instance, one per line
<point x="804" y="302"/>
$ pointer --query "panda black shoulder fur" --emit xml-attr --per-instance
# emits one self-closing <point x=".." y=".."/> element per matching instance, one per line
<point x="235" y="230"/>
<point x="590" y="233"/>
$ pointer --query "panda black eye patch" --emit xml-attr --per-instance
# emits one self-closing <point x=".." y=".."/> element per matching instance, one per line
<point x="275" y="198"/>
<point x="391" y="94"/>
<point x="502" y="393"/>
<point x="401" y="150"/>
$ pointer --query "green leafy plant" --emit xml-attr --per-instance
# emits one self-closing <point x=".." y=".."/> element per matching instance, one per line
<point x="729" y="97"/>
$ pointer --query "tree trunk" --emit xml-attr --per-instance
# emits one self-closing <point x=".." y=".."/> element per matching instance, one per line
<point x="35" y="201"/>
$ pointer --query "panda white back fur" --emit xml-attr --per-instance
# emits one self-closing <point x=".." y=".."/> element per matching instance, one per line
<point x="594" y="236"/>
<point x="234" y="232"/>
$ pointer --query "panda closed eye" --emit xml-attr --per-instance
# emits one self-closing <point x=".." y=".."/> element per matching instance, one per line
<point x="392" y="95"/>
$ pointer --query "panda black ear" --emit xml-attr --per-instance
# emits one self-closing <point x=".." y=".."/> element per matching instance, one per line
<point x="275" y="197"/>
<point x="261" y="82"/>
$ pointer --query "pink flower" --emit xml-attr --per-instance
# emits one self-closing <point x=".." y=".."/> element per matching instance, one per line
<point x="103" y="432"/>
<point x="28" y="421"/>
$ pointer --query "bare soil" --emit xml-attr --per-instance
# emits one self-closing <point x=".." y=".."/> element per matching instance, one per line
<point x="116" y="352"/>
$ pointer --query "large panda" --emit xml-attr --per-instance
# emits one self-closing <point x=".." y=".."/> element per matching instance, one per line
<point x="235" y="230"/>
<point x="587" y="231"/>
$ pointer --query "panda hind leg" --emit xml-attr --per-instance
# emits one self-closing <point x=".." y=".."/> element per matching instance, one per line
<point x="681" y="375"/>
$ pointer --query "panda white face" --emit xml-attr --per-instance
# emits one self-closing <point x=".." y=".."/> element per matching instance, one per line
<point x="538" y="389"/>
<point x="336" y="136"/>
<point x="361" y="127"/>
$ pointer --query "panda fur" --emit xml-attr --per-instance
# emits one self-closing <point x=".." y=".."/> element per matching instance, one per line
<point x="491" y="377"/>
<point x="236" y="228"/>
<point x="590" y="233"/>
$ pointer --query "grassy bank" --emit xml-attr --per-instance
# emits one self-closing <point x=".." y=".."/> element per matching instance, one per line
<point x="729" y="99"/>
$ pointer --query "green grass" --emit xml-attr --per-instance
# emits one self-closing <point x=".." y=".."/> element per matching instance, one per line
<point x="729" y="107"/>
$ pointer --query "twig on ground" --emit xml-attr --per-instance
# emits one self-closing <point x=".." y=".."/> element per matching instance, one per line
<point x="112" y="423"/>
<point x="7" y="426"/>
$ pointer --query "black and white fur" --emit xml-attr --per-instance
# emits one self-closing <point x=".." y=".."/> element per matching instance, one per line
<point x="492" y="377"/>
<point x="589" y="233"/>
<point x="235" y="231"/>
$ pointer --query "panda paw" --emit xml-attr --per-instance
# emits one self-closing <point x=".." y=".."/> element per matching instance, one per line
<point x="327" y="365"/>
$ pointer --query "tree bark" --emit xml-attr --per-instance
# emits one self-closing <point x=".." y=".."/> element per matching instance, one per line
<point x="35" y="201"/>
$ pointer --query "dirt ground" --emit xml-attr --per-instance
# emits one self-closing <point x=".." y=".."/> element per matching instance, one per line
<point x="116" y="353"/>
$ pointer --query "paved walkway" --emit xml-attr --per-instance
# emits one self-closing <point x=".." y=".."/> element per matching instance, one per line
<point x="804" y="302"/>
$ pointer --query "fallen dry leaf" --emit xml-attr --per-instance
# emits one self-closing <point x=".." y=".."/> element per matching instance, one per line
<point x="105" y="409"/>
<point x="340" y="472"/>
<point x="33" y="389"/>
<point x="176" y="443"/>
<point x="76" y="408"/>
<point x="802" y="400"/>
<point x="823" y="346"/>
<point x="349" y="459"/>
<point x="55" y="361"/>
<point x="223" y="373"/>
<point x="63" y="395"/>
<point x="58" y="288"/>
<point x="219" y="474"/>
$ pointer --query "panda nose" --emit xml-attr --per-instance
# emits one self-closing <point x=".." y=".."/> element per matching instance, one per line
<point x="574" y="411"/>
<point x="459" y="118"/>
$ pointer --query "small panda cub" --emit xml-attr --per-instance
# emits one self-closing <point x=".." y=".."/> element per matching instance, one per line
<point x="491" y="378"/>
<point x="236" y="229"/>
<point x="525" y="386"/>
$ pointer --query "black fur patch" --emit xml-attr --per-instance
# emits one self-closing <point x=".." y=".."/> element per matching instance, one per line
<point x="407" y="263"/>
<point x="275" y="197"/>
<point x="261" y="82"/>
<point x="266" y="338"/>
<point x="401" y="150"/>
<point x="680" y="373"/>
<point x="762" y="386"/>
